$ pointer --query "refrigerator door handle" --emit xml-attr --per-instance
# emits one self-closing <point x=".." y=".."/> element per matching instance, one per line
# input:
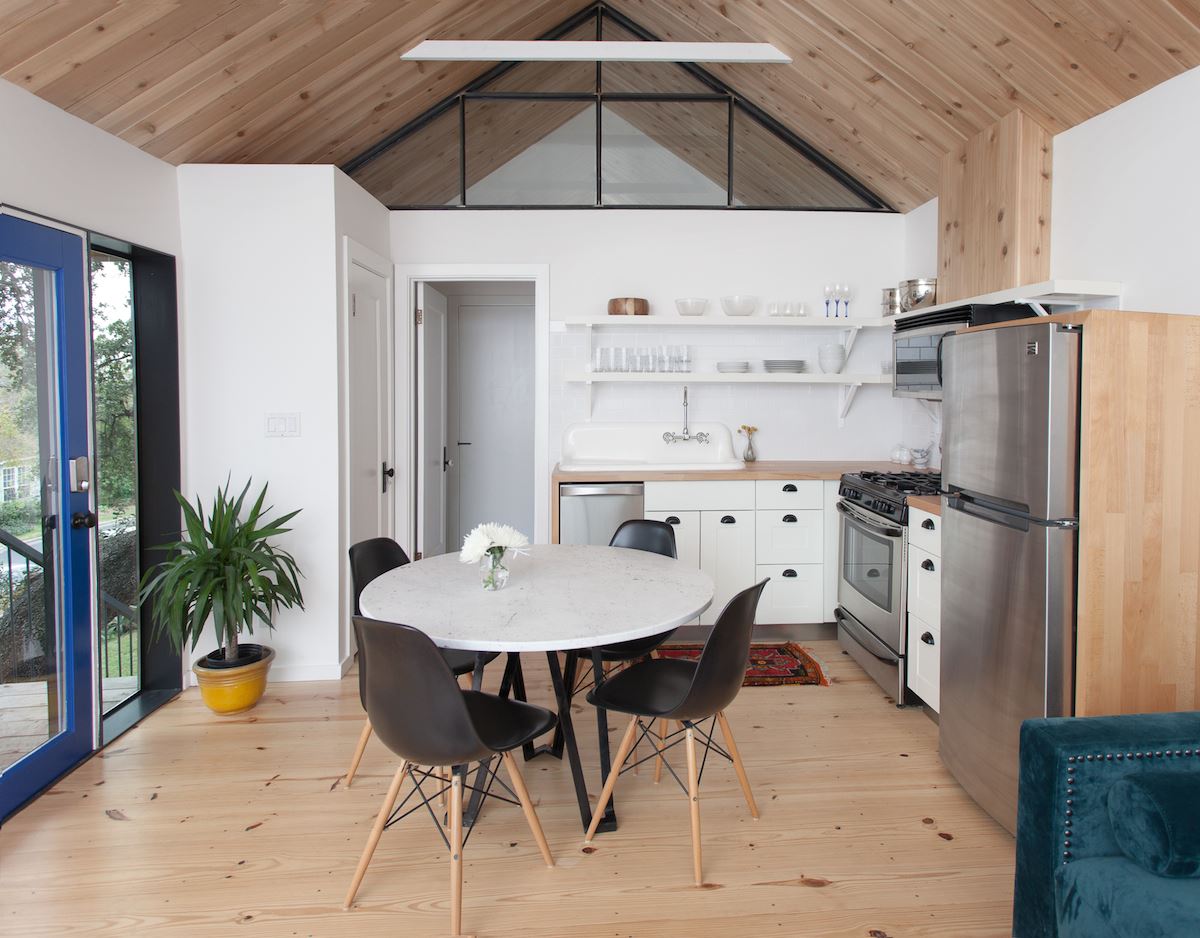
<point x="1012" y="519"/>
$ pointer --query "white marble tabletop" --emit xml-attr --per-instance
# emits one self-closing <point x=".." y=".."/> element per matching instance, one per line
<point x="557" y="598"/>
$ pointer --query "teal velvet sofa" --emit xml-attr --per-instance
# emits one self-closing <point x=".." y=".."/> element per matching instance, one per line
<point x="1108" y="828"/>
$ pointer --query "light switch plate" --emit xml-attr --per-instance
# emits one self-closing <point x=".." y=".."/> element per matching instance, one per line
<point x="283" y="425"/>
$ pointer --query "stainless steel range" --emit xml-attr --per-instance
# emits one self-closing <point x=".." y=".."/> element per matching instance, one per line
<point x="872" y="579"/>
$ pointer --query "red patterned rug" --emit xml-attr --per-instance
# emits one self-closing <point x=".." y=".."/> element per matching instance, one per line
<point x="770" y="664"/>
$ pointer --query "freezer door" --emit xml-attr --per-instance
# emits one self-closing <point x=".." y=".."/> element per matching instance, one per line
<point x="1008" y="588"/>
<point x="1010" y="417"/>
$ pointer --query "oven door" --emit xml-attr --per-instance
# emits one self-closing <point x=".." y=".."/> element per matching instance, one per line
<point x="871" y="576"/>
<point x="917" y="362"/>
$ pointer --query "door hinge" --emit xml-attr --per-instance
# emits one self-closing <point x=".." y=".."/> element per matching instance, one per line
<point x="420" y="316"/>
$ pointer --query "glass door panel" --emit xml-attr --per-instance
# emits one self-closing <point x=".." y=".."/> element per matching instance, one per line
<point x="115" y="420"/>
<point x="45" y="648"/>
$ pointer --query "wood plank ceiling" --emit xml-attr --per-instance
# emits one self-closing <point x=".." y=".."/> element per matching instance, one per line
<point x="883" y="87"/>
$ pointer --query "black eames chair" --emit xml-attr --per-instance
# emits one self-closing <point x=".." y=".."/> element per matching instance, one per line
<point x="370" y="559"/>
<point x="425" y="718"/>
<point x="687" y="692"/>
<point x="658" y="537"/>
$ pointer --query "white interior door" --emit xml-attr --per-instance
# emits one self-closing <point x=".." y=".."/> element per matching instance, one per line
<point x="493" y="450"/>
<point x="370" y="403"/>
<point x="431" y="421"/>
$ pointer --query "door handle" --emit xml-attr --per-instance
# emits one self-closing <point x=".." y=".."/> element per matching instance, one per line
<point x="83" y="519"/>
<point x="927" y="638"/>
<point x="789" y="573"/>
<point x="789" y="487"/>
<point x="928" y="524"/>
<point x="386" y="473"/>
<point x="461" y="443"/>
<point x="447" y="462"/>
<point x="728" y="519"/>
<point x="672" y="520"/>
<point x="789" y="519"/>
<point x="927" y="565"/>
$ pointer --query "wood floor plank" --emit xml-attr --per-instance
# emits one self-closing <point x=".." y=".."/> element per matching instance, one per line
<point x="190" y="825"/>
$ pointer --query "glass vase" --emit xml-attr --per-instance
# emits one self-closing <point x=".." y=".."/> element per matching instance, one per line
<point x="493" y="570"/>
<point x="750" y="455"/>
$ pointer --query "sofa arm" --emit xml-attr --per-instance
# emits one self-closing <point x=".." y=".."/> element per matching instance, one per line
<point x="1067" y="767"/>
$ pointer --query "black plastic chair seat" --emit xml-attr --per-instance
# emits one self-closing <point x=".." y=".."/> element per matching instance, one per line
<point x="463" y="662"/>
<point x="653" y="688"/>
<point x="633" y="649"/>
<point x="504" y="724"/>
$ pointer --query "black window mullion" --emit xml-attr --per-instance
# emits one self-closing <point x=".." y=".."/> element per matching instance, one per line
<point x="599" y="130"/>
<point x="462" y="150"/>
<point x="729" y="158"/>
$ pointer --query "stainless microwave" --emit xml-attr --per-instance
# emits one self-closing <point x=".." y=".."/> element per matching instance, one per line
<point x="917" y="343"/>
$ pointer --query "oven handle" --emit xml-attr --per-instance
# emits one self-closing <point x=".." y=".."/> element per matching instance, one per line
<point x="863" y="637"/>
<point x="868" y="523"/>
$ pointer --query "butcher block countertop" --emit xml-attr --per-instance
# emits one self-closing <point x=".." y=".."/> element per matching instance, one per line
<point x="929" y="503"/>
<point x="796" y="470"/>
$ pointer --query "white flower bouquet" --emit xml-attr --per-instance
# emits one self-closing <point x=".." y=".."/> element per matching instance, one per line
<point x="486" y="545"/>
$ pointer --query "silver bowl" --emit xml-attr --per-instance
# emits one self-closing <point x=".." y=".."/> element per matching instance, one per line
<point x="917" y="294"/>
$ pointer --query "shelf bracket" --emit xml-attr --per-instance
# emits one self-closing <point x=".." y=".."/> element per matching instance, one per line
<point x="851" y="335"/>
<point x="847" y="395"/>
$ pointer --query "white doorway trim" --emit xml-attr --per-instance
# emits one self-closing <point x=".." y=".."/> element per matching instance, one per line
<point x="407" y="277"/>
<point x="354" y="254"/>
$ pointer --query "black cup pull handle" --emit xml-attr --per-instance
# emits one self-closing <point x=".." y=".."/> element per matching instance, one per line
<point x="789" y="573"/>
<point x="927" y="524"/>
<point x="728" y="519"/>
<point x="671" y="519"/>
<point x="789" y="487"/>
<point x="927" y="638"/>
<point x="927" y="565"/>
<point x="789" y="519"/>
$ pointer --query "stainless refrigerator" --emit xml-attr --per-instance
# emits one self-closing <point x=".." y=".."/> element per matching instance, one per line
<point x="1010" y="466"/>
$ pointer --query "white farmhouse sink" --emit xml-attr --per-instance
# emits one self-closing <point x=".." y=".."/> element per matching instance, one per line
<point x="624" y="446"/>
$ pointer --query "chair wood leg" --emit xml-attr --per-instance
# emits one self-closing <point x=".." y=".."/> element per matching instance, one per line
<point x="737" y="764"/>
<point x="535" y="826"/>
<point x="456" y="866"/>
<point x="658" y="763"/>
<point x="611" y="782"/>
<point x="358" y="752"/>
<point x="373" y="840"/>
<point x="694" y="803"/>
<point x="443" y="781"/>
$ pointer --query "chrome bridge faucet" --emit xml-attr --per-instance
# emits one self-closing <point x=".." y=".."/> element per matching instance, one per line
<point x="685" y="436"/>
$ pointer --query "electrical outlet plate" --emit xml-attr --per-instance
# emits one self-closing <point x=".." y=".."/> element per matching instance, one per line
<point x="282" y="425"/>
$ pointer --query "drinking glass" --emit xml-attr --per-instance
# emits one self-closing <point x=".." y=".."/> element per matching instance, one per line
<point x="685" y="358"/>
<point x="602" y="360"/>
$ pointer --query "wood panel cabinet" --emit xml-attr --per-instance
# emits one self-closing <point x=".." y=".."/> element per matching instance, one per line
<point x="924" y="636"/>
<point x="726" y="555"/>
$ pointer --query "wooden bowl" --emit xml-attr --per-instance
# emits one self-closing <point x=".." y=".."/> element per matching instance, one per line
<point x="628" y="306"/>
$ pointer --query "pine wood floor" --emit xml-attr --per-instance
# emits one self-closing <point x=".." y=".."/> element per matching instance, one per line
<point x="192" y="825"/>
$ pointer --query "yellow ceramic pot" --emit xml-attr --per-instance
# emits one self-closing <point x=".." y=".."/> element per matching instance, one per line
<point x="236" y="689"/>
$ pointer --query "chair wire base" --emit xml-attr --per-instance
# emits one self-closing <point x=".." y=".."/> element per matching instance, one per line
<point x="490" y="766"/>
<point x="676" y="738"/>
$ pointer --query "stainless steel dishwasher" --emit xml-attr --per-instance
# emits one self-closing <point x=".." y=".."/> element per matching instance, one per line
<point x="589" y="512"/>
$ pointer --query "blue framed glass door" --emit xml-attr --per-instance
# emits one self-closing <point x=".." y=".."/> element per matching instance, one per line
<point x="47" y="697"/>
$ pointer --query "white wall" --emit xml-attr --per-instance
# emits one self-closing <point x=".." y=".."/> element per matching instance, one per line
<point x="661" y="255"/>
<point x="261" y="337"/>
<point x="921" y="241"/>
<point x="1126" y="198"/>
<point x="57" y="165"/>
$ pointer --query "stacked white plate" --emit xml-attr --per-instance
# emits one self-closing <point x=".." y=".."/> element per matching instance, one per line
<point x="733" y="368"/>
<point x="792" y="366"/>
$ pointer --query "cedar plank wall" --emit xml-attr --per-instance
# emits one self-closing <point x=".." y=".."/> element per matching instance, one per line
<point x="994" y="210"/>
<point x="1139" y="551"/>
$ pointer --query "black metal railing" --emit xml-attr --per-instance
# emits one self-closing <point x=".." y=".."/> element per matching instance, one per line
<point x="120" y="621"/>
<point x="24" y="565"/>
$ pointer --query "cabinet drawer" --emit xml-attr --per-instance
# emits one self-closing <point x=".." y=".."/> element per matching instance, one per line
<point x="686" y="525"/>
<point x="925" y="585"/>
<point x="794" y="596"/>
<point x="726" y="555"/>
<point x="796" y="494"/>
<point x="789" y="536"/>
<point x="925" y="531"/>
<point x="699" y="496"/>
<point x="924" y="660"/>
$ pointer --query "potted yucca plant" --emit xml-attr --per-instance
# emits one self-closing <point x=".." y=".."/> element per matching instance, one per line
<point x="225" y="569"/>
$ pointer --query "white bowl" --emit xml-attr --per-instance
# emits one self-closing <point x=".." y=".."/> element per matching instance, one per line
<point x="692" y="305"/>
<point x="739" y="304"/>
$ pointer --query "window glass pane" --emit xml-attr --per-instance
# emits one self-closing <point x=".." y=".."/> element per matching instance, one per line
<point x="664" y="152"/>
<point x="531" y="152"/>
<point x="768" y="171"/>
<point x="552" y="76"/>
<point x="116" y="477"/>
<point x="662" y="77"/>
<point x="421" y="169"/>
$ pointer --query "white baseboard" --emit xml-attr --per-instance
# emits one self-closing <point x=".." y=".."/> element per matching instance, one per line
<point x="306" y="672"/>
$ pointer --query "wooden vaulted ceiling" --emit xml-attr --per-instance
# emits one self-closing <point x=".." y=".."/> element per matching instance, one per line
<point x="883" y="87"/>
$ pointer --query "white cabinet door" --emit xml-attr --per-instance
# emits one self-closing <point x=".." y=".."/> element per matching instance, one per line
<point x="796" y="494"/>
<point x="719" y="495"/>
<point x="687" y="533"/>
<point x="794" y="595"/>
<point x="833" y="559"/>
<point x="726" y="555"/>
<point x="925" y="585"/>
<point x="924" y="660"/>
<point x="789" y="536"/>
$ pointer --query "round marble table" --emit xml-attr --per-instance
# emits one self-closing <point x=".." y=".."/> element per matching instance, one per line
<point x="559" y="598"/>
